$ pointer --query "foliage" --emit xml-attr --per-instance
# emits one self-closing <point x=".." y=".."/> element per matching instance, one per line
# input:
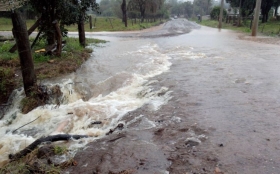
<point x="61" y="11"/>
<point x="247" y="7"/>
<point x="181" y="8"/>
<point x="145" y="6"/>
<point x="202" y="7"/>
<point x="60" y="150"/>
<point x="6" y="80"/>
<point x="110" y="8"/>
<point x="216" y="12"/>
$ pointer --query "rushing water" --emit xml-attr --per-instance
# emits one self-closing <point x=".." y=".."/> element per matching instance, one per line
<point x="113" y="82"/>
<point x="228" y="86"/>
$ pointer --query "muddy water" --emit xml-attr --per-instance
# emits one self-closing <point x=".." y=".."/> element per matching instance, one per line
<point x="223" y="112"/>
<point x="189" y="103"/>
<point x="113" y="82"/>
<point x="235" y="88"/>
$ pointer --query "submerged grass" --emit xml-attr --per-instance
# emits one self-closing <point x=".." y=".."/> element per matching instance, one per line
<point x="35" y="163"/>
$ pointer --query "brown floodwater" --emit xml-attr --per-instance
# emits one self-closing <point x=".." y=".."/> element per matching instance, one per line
<point x="191" y="99"/>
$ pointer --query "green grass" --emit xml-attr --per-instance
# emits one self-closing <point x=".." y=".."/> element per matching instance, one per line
<point x="104" y="24"/>
<point x="271" y="28"/>
<point x="4" y="51"/>
<point x="46" y="66"/>
<point x="101" y="24"/>
<point x="6" y="24"/>
<point x="72" y="44"/>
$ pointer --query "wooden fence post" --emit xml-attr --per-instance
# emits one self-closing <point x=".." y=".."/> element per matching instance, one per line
<point x="90" y="22"/>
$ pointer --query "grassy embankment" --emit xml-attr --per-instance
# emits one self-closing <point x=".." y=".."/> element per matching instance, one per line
<point x="74" y="54"/>
<point x="46" y="66"/>
<point x="271" y="28"/>
<point x="99" y="24"/>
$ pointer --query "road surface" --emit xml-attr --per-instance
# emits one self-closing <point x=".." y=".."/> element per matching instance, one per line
<point x="192" y="100"/>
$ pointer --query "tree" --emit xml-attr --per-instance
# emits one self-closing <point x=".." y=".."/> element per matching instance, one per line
<point x="106" y="7"/>
<point x="123" y="7"/>
<point x="214" y="14"/>
<point x="221" y="14"/>
<point x="247" y="6"/>
<point x="79" y="16"/>
<point x="256" y="18"/>
<point x="201" y="6"/>
<point x="56" y="14"/>
<point x="188" y="8"/>
<point x="24" y="50"/>
<point x="276" y="4"/>
<point x="266" y="6"/>
<point x="53" y="13"/>
<point x="144" y="6"/>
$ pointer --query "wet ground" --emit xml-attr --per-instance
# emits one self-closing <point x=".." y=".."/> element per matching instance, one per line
<point x="192" y="100"/>
<point x="223" y="116"/>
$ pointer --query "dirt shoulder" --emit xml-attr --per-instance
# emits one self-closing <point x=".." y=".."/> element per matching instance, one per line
<point x="261" y="39"/>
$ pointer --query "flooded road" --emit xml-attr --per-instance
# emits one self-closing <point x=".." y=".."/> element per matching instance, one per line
<point x="194" y="101"/>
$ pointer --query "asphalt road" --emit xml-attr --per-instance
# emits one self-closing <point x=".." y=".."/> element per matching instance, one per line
<point x="223" y="116"/>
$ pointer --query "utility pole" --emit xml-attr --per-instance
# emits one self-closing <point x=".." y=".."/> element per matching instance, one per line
<point x="221" y="14"/>
<point x="256" y="18"/>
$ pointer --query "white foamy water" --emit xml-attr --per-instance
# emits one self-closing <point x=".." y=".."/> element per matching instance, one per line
<point x="115" y="81"/>
<point x="75" y="115"/>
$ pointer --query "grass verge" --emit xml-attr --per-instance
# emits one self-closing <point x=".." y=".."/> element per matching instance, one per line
<point x="45" y="66"/>
<point x="271" y="28"/>
<point x="116" y="24"/>
<point x="99" y="24"/>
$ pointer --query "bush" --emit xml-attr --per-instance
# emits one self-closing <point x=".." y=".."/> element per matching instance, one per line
<point x="216" y="12"/>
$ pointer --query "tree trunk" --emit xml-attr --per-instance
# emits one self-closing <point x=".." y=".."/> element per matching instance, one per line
<point x="221" y="14"/>
<point x="276" y="10"/>
<point x="256" y="18"/>
<point x="59" y="39"/>
<point x="51" y="138"/>
<point x="90" y="22"/>
<point x="264" y="19"/>
<point x="31" y="29"/>
<point x="50" y="37"/>
<point x="24" y="51"/>
<point x="123" y="7"/>
<point x="239" y="17"/>
<point x="82" y="37"/>
<point x="142" y="15"/>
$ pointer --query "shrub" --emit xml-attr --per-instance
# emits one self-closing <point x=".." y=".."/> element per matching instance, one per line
<point x="216" y="12"/>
